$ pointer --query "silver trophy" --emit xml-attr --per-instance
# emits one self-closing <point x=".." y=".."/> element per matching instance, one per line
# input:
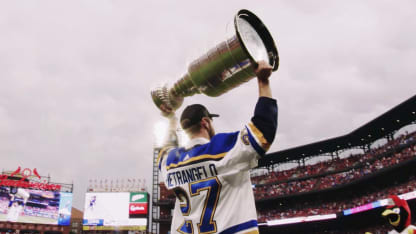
<point x="224" y="67"/>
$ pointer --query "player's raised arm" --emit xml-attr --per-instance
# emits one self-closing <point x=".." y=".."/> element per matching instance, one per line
<point x="172" y="138"/>
<point x="173" y="122"/>
<point x="265" y="113"/>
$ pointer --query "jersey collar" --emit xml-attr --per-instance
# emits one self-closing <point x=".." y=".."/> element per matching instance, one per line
<point x="196" y="141"/>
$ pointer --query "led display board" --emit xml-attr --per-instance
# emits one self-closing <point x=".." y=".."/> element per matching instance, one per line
<point x="27" y="205"/>
<point x="116" y="211"/>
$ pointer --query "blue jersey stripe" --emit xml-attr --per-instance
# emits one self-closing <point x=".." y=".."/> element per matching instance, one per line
<point x="265" y="117"/>
<point x="216" y="148"/>
<point x="196" y="159"/>
<point x="240" y="227"/>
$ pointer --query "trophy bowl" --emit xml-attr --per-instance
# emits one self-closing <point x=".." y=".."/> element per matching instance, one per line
<point x="227" y="65"/>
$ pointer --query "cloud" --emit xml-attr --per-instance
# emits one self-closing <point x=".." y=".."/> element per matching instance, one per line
<point x="76" y="76"/>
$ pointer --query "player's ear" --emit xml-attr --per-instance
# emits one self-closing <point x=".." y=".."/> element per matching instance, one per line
<point x="205" y="122"/>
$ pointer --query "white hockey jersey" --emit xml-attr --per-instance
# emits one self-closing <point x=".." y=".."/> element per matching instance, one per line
<point x="212" y="183"/>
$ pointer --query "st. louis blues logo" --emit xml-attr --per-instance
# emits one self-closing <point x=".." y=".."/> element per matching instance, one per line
<point x="244" y="137"/>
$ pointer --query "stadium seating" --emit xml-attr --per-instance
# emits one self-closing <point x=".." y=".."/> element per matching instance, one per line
<point x="341" y="172"/>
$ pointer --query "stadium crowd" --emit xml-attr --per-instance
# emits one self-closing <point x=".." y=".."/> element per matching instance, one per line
<point x="324" y="207"/>
<point x="334" y="172"/>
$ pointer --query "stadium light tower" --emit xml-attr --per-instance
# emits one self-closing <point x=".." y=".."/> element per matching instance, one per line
<point x="165" y="134"/>
<point x="160" y="133"/>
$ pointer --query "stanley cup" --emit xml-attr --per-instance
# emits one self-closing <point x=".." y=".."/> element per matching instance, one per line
<point x="224" y="67"/>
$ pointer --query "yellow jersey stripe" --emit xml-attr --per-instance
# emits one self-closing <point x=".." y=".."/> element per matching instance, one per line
<point x="259" y="135"/>
<point x="161" y="152"/>
<point x="193" y="159"/>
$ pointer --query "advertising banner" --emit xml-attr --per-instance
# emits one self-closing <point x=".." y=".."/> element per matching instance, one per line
<point x="138" y="208"/>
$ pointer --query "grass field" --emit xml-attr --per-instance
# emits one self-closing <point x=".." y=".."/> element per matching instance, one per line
<point x="31" y="219"/>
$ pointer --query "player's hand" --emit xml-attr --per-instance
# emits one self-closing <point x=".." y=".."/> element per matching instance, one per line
<point x="263" y="71"/>
<point x="166" y="110"/>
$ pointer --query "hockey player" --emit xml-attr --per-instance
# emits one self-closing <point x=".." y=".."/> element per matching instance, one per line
<point x="210" y="176"/>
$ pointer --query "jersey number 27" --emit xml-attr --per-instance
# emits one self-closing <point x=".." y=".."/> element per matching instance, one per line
<point x="206" y="224"/>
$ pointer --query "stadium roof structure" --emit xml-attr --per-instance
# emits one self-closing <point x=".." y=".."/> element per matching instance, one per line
<point x="386" y="124"/>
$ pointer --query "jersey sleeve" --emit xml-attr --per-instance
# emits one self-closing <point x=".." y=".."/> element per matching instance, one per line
<point x="161" y="160"/>
<point x="255" y="138"/>
<point x="263" y="125"/>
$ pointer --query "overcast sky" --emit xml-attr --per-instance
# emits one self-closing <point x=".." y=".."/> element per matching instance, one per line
<point x="75" y="76"/>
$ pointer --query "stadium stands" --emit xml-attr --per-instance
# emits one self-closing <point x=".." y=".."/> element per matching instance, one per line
<point x="323" y="207"/>
<point x="334" y="173"/>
